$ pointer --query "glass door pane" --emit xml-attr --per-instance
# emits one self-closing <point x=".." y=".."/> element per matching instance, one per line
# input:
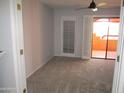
<point x="68" y="37"/>
<point x="113" y="38"/>
<point x="100" y="31"/>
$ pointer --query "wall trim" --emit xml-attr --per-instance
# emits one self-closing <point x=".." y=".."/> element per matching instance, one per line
<point x="35" y="70"/>
<point x="85" y="57"/>
<point x="8" y="90"/>
<point x="40" y="66"/>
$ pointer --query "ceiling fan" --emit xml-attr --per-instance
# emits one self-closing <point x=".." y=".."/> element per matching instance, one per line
<point x="93" y="6"/>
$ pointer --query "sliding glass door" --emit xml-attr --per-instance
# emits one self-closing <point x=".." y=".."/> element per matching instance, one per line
<point x="105" y="37"/>
<point x="113" y="36"/>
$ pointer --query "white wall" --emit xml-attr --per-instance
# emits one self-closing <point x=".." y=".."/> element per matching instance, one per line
<point x="79" y="21"/>
<point x="7" y="76"/>
<point x="38" y="34"/>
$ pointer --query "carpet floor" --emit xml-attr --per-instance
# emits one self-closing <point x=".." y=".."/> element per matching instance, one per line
<point x="72" y="75"/>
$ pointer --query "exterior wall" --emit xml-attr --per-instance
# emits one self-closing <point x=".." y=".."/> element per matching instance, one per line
<point x="100" y="44"/>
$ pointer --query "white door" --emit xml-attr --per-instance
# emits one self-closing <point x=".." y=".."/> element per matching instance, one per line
<point x="68" y="36"/>
<point x="118" y="84"/>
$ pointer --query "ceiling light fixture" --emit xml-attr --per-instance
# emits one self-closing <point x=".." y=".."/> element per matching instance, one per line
<point x="95" y="9"/>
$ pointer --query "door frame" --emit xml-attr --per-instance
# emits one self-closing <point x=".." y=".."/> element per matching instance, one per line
<point x="18" y="44"/>
<point x="71" y="18"/>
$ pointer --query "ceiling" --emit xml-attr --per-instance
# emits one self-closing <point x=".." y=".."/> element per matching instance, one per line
<point x="80" y="3"/>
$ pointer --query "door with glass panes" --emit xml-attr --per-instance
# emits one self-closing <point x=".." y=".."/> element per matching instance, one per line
<point x="68" y="36"/>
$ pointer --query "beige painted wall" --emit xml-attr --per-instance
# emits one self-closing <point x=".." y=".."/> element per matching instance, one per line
<point x="38" y="34"/>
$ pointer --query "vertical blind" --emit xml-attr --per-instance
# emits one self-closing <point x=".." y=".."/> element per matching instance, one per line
<point x="68" y="36"/>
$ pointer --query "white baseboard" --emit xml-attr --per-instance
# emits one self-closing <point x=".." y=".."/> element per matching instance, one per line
<point x="8" y="90"/>
<point x="34" y="70"/>
<point x="85" y="57"/>
<point x="39" y="67"/>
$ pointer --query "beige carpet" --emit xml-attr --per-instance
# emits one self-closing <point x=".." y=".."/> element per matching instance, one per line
<point x="71" y="75"/>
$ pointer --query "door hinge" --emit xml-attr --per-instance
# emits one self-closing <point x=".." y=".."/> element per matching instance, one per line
<point x="24" y="91"/>
<point x="19" y="7"/>
<point x="21" y="51"/>
<point x="118" y="58"/>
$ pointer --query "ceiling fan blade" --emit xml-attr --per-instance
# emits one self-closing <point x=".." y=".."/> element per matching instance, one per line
<point x="102" y="4"/>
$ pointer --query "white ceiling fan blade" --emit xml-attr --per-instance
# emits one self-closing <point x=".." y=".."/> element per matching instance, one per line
<point x="102" y="4"/>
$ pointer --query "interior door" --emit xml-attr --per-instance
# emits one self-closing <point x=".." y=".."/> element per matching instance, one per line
<point x="118" y="83"/>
